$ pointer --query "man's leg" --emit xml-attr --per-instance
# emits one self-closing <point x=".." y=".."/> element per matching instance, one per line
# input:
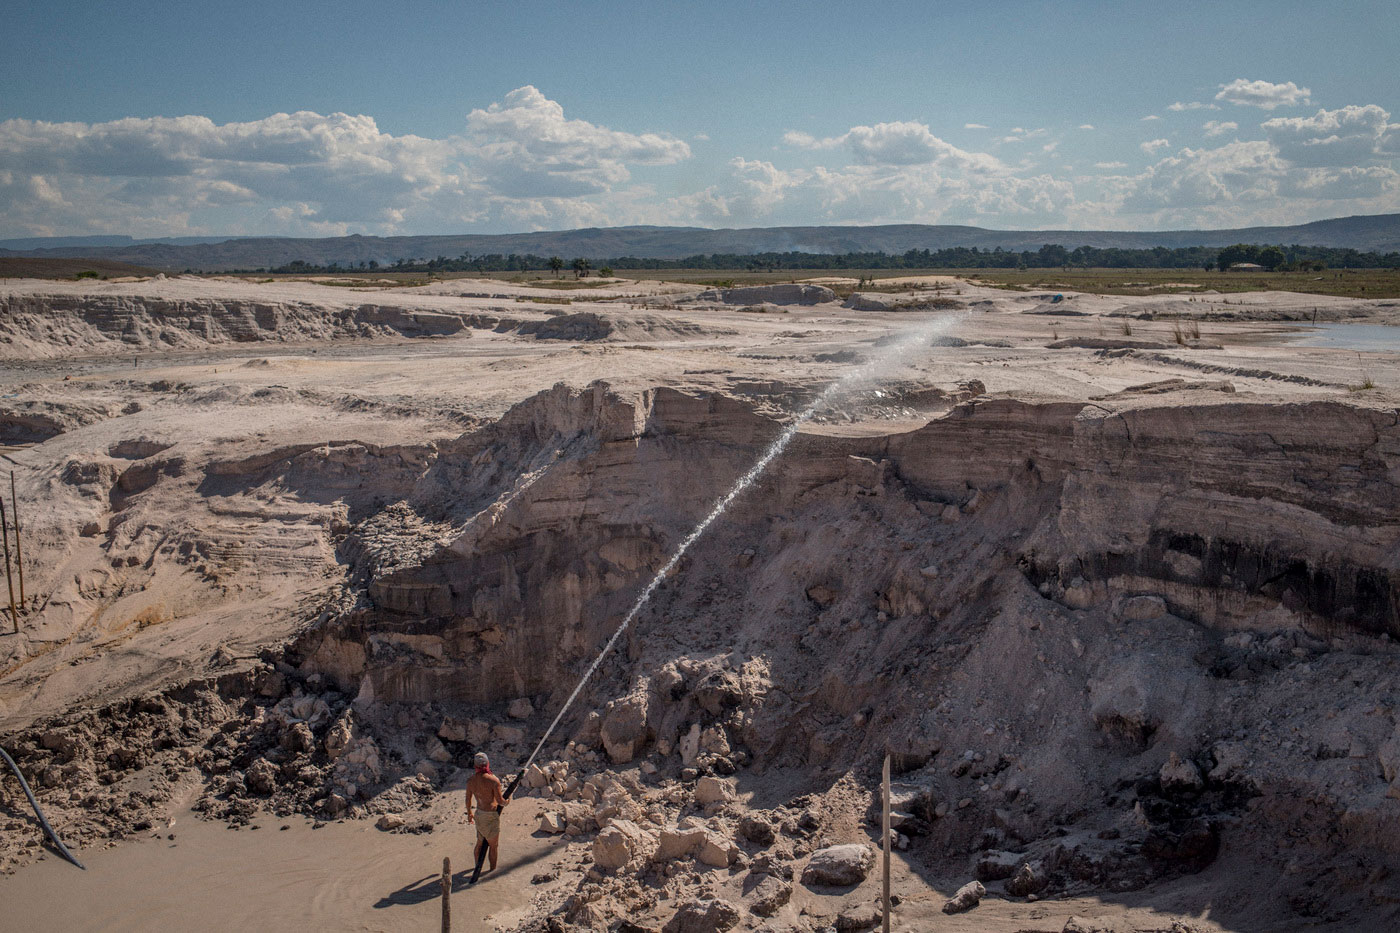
<point x="495" y="850"/>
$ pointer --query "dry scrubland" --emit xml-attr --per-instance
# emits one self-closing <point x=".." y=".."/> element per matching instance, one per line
<point x="1113" y="579"/>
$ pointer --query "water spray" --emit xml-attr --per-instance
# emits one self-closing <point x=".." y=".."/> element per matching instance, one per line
<point x="896" y="351"/>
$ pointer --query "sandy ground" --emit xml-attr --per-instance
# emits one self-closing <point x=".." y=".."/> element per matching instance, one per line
<point x="348" y="875"/>
<point x="344" y="875"/>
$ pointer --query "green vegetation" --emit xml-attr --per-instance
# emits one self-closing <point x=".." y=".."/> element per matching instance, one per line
<point x="1345" y="283"/>
<point x="1050" y="256"/>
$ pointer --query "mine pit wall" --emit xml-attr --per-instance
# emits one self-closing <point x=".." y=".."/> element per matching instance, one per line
<point x="1237" y="515"/>
<point x="46" y="326"/>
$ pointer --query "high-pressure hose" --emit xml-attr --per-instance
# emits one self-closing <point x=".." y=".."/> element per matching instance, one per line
<point x="40" y="813"/>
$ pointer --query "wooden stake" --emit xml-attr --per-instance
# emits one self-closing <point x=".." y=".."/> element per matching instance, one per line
<point x="19" y="554"/>
<point x="5" y="528"/>
<point x="446" y="895"/>
<point x="885" y="823"/>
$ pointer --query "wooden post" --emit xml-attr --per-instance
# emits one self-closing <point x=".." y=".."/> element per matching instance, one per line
<point x="446" y="895"/>
<point x="5" y="529"/>
<point x="19" y="554"/>
<point x="885" y="824"/>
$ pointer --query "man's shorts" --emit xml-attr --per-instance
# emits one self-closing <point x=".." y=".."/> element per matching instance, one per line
<point x="488" y="825"/>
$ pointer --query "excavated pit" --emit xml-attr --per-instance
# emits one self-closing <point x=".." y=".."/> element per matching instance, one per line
<point x="1072" y="626"/>
<point x="1127" y="642"/>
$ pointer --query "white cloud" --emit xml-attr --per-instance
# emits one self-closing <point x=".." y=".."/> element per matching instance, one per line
<point x="1021" y="134"/>
<point x="1346" y="136"/>
<point x="1151" y="116"/>
<point x="1193" y="105"/>
<point x="1239" y="184"/>
<point x="1086" y="126"/>
<point x="975" y="126"/>
<point x="1263" y="94"/>
<point x="1153" y="146"/>
<point x="900" y="143"/>
<point x="1110" y="166"/>
<point x="1050" y="147"/>
<point x="1219" y="127"/>
<point x="517" y="162"/>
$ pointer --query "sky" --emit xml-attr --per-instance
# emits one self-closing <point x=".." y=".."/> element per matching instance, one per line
<point x="268" y="118"/>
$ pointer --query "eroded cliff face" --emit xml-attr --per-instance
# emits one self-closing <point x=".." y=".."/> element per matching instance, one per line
<point x="47" y="326"/>
<point x="1237" y="515"/>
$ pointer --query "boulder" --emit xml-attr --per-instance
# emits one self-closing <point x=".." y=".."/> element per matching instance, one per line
<point x="768" y="895"/>
<point x="967" y="897"/>
<point x="678" y="842"/>
<point x="624" y="729"/>
<point x="617" y="845"/>
<point x="712" y="790"/>
<point x="757" y="830"/>
<point x="389" y="822"/>
<point x="452" y="730"/>
<point x="716" y="851"/>
<point x="859" y="916"/>
<point x="552" y="822"/>
<point x="520" y="708"/>
<point x="507" y="735"/>
<point x="698" y="915"/>
<point x="839" y="865"/>
<point x="261" y="778"/>
<point x="437" y="751"/>
<point x="534" y="777"/>
<point x="338" y="738"/>
<point x="1025" y="882"/>
<point x="1180" y="777"/>
<point x="478" y="732"/>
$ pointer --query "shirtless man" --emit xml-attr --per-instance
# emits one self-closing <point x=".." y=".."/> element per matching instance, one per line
<point x="484" y="790"/>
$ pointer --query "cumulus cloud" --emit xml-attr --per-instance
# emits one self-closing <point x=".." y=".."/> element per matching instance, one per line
<point x="1219" y="127"/>
<point x="1086" y="126"/>
<point x="975" y="126"/>
<point x="308" y="173"/>
<point x="1151" y="116"/>
<point x="900" y="143"/>
<point x="1345" y="136"/>
<point x="1153" y="146"/>
<point x="1263" y="94"/>
<point x="1111" y="166"/>
<point x="1193" y="105"/>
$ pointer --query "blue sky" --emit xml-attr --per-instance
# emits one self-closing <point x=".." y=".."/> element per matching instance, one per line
<point x="197" y="118"/>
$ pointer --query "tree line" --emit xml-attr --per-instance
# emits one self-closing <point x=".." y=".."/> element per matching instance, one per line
<point x="1049" y="256"/>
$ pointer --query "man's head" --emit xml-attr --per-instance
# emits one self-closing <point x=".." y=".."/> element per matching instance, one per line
<point x="481" y="763"/>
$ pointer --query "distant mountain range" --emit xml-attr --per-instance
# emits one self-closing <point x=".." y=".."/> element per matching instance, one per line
<point x="1375" y="233"/>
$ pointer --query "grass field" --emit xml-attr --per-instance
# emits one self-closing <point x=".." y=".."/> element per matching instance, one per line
<point x="1346" y="283"/>
<point x="23" y="267"/>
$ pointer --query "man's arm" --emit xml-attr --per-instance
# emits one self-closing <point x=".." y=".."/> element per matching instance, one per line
<point x="470" y="818"/>
<point x="500" y="796"/>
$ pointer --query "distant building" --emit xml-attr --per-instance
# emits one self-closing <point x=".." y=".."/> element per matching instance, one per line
<point x="1245" y="267"/>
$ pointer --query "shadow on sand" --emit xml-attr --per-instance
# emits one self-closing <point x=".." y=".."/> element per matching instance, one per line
<point x="429" y="887"/>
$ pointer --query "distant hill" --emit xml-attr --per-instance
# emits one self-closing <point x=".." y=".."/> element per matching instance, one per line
<point x="1376" y="233"/>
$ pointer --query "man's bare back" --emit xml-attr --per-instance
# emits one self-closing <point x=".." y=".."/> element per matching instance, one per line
<point x="486" y="789"/>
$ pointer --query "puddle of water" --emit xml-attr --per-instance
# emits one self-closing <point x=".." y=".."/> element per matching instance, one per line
<point x="1384" y="337"/>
